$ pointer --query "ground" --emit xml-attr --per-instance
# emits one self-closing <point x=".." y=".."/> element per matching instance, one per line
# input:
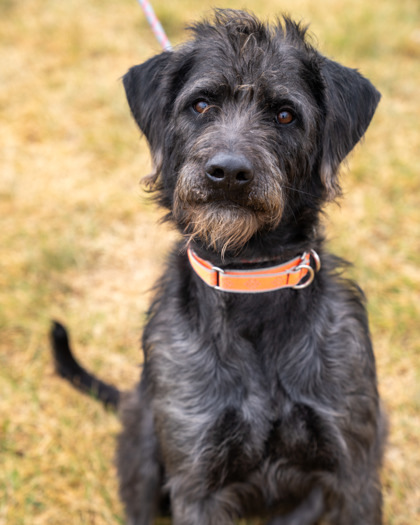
<point x="81" y="243"/>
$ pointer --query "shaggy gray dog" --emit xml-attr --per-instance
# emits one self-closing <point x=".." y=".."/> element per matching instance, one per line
<point x="258" y="395"/>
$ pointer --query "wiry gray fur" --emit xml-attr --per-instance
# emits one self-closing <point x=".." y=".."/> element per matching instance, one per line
<point x="286" y="422"/>
<point x="251" y="404"/>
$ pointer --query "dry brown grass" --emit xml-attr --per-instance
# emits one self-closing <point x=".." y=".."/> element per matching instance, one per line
<point x="79" y="241"/>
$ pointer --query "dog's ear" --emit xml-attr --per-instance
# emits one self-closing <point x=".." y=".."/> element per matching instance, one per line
<point x="145" y="91"/>
<point x="351" y="101"/>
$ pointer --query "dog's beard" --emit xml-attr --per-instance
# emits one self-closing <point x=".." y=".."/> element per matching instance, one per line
<point x="226" y="222"/>
<point x="222" y="226"/>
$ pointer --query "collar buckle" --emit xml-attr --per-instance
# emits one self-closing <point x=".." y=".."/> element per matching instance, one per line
<point x="217" y="271"/>
<point x="306" y="266"/>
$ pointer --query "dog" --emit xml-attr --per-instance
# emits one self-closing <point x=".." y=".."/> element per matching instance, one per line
<point x="258" y="394"/>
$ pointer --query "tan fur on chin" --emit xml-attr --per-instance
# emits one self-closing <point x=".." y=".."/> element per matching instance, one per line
<point x="220" y="227"/>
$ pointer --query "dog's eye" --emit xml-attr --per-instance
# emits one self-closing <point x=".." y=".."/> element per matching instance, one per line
<point x="200" y="106"/>
<point x="285" y="117"/>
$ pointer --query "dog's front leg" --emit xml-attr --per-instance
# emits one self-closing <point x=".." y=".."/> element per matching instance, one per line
<point x="307" y="513"/>
<point x="139" y="469"/>
<point x="221" y="507"/>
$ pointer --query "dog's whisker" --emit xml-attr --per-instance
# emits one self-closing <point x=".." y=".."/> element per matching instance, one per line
<point x="299" y="191"/>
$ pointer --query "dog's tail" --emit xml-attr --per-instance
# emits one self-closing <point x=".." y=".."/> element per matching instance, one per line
<point x="67" y="366"/>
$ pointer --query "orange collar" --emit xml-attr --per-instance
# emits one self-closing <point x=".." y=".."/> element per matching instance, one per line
<point x="297" y="273"/>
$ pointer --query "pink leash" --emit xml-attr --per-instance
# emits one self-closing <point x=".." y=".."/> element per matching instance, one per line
<point x="155" y="24"/>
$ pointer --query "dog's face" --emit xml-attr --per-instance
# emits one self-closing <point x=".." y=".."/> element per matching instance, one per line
<point x="247" y="126"/>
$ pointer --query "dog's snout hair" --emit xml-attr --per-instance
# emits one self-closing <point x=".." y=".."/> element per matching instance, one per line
<point x="252" y="404"/>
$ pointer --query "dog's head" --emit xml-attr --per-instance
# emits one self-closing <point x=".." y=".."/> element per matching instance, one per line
<point x="247" y="125"/>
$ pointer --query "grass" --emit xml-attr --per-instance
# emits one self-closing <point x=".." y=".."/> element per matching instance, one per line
<point x="79" y="241"/>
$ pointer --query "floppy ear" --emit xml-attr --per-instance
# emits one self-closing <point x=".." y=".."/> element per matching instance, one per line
<point x="351" y="101"/>
<point x="144" y="88"/>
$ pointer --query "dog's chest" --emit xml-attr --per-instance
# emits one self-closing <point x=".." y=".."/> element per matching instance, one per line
<point x="293" y="435"/>
<point x="222" y="405"/>
<point x="225" y="417"/>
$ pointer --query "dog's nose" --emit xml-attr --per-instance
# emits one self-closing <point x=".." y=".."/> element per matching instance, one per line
<point x="229" y="171"/>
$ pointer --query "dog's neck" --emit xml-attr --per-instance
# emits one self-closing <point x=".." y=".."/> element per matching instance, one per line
<point x="268" y="262"/>
<point x="300" y="232"/>
<point x="245" y="260"/>
<point x="262" y="252"/>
